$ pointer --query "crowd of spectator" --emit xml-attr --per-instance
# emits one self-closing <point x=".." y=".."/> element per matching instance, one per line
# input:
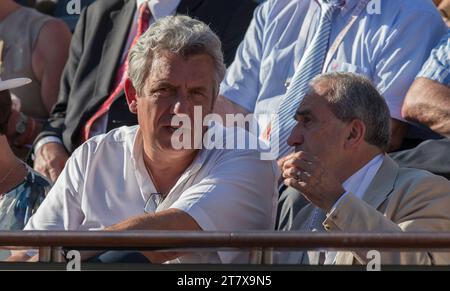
<point x="354" y="95"/>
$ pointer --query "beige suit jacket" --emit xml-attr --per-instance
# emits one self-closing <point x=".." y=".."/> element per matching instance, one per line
<point x="397" y="200"/>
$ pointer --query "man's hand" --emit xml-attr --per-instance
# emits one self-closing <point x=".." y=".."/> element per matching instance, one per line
<point x="50" y="160"/>
<point x="280" y="163"/>
<point x="283" y="160"/>
<point x="307" y="174"/>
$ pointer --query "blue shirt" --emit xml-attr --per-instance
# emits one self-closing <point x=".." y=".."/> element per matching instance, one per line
<point x="437" y="67"/>
<point x="20" y="203"/>
<point x="389" y="48"/>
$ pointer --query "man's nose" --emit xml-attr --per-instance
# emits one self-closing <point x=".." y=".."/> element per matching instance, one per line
<point x="296" y="136"/>
<point x="181" y="104"/>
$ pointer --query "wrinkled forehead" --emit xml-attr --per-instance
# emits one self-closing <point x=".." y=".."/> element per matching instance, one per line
<point x="316" y="103"/>
<point x="314" y="97"/>
<point x="194" y="67"/>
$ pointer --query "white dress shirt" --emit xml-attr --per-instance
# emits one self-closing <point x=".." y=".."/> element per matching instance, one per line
<point x="105" y="182"/>
<point x="389" y="48"/>
<point x="357" y="184"/>
<point x="360" y="181"/>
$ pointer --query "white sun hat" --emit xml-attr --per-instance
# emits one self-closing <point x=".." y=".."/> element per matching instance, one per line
<point x="13" y="83"/>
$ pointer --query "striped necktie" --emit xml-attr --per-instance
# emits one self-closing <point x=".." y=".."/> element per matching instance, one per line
<point x="315" y="257"/>
<point x="310" y="66"/>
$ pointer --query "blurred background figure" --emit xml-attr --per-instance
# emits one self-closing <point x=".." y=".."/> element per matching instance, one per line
<point x="428" y="104"/>
<point x="289" y="42"/>
<point x="46" y="6"/>
<point x="21" y="189"/>
<point x="35" y="46"/>
<point x="63" y="9"/>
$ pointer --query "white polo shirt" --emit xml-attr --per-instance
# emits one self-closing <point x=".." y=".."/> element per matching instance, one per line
<point x="105" y="182"/>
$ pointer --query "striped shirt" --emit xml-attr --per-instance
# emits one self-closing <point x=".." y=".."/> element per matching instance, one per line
<point x="389" y="48"/>
<point x="437" y="67"/>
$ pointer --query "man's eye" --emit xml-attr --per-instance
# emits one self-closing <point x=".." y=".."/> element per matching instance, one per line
<point x="303" y="120"/>
<point x="306" y="120"/>
<point x="197" y="95"/>
<point x="162" y="90"/>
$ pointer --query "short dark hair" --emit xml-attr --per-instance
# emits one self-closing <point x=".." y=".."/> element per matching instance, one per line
<point x="5" y="110"/>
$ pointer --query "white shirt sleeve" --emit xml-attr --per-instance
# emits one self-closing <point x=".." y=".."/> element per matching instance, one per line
<point x="240" y="193"/>
<point x="408" y="45"/>
<point x="241" y="84"/>
<point x="61" y="209"/>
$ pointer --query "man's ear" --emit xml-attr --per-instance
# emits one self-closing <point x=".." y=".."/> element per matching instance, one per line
<point x="356" y="132"/>
<point x="131" y="95"/>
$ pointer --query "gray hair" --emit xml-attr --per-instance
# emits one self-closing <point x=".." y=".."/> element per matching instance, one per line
<point x="352" y="96"/>
<point x="180" y="35"/>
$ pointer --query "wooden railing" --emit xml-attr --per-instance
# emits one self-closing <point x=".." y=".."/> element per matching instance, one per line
<point x="257" y="242"/>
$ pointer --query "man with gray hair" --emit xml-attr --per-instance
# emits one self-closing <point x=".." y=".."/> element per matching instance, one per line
<point x="135" y="178"/>
<point x="346" y="181"/>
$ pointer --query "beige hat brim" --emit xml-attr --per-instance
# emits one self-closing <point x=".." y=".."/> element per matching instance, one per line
<point x="13" y="83"/>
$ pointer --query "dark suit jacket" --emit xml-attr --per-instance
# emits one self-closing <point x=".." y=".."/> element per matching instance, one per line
<point x="97" y="46"/>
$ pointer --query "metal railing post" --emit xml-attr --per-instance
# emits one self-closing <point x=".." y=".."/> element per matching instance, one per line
<point x="45" y="254"/>
<point x="256" y="256"/>
<point x="267" y="256"/>
<point x="57" y="255"/>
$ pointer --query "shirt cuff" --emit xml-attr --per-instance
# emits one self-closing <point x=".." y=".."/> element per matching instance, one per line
<point x="46" y="140"/>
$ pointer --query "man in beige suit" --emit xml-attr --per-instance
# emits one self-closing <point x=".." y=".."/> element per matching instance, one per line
<point x="348" y="183"/>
